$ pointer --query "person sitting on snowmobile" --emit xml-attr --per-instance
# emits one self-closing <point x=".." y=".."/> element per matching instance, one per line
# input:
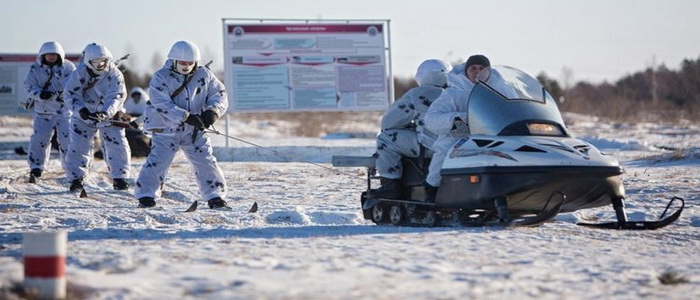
<point x="403" y="130"/>
<point x="185" y="99"/>
<point x="447" y="117"/>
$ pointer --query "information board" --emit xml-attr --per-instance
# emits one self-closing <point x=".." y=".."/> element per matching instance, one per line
<point x="307" y="67"/>
<point x="13" y="71"/>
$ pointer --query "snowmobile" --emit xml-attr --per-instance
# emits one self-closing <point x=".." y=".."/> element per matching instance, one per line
<point x="517" y="166"/>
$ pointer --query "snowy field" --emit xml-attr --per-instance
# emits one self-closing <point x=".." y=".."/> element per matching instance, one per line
<point x="308" y="240"/>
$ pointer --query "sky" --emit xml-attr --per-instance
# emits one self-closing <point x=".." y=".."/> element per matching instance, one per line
<point x="597" y="40"/>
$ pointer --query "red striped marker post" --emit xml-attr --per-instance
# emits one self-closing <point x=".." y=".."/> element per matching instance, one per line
<point x="44" y="255"/>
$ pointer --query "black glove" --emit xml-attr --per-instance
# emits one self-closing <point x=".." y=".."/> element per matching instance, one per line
<point x="209" y="117"/>
<point x="134" y="125"/>
<point x="196" y="121"/>
<point x="98" y="116"/>
<point x="45" y="95"/>
<point x="84" y="113"/>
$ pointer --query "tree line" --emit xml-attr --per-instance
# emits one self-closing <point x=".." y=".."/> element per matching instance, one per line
<point x="654" y="94"/>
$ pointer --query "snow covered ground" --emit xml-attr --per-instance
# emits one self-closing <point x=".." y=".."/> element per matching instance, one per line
<point x="308" y="240"/>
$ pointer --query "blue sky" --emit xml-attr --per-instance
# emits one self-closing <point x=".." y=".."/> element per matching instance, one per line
<point x="598" y="40"/>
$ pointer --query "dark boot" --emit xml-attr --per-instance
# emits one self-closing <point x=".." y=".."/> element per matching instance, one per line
<point x="76" y="185"/>
<point x="34" y="174"/>
<point x="430" y="193"/>
<point x="390" y="189"/>
<point x="217" y="202"/>
<point x="120" y="184"/>
<point x="147" y="202"/>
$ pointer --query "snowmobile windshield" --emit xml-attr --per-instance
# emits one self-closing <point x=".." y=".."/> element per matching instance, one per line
<point x="507" y="101"/>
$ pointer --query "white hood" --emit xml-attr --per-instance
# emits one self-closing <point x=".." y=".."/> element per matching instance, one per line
<point x="432" y="72"/>
<point x="144" y="94"/>
<point x="51" y="47"/>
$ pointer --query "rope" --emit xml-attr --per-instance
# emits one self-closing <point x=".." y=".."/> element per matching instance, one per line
<point x="214" y="131"/>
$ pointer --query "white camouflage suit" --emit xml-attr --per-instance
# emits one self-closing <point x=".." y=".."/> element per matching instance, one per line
<point x="402" y="124"/>
<point x="165" y="118"/>
<point x="440" y="118"/>
<point x="104" y="92"/>
<point x="133" y="108"/>
<point x="52" y="113"/>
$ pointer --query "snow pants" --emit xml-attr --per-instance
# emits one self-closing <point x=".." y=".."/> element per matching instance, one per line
<point x="115" y="149"/>
<point x="392" y="144"/>
<point x="40" y="142"/>
<point x="164" y="146"/>
<point x="442" y="147"/>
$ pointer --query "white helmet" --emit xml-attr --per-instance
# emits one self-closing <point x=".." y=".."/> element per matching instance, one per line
<point x="96" y="57"/>
<point x="52" y="47"/>
<point x="432" y="71"/>
<point x="184" y="50"/>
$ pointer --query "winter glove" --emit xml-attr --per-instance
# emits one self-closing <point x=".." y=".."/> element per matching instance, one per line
<point x="98" y="116"/>
<point x="209" y="117"/>
<point x="196" y="121"/>
<point x="29" y="105"/>
<point x="84" y="113"/>
<point x="45" y="95"/>
<point x="459" y="127"/>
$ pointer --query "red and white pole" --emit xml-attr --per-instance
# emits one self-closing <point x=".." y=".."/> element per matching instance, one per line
<point x="44" y="255"/>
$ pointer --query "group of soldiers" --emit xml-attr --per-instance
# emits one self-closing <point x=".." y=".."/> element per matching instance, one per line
<point x="186" y="99"/>
<point x="78" y="101"/>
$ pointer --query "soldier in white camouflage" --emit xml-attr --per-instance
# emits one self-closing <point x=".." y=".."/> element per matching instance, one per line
<point x="96" y="92"/>
<point x="447" y="117"/>
<point x="44" y="85"/>
<point x="403" y="129"/>
<point x="186" y="98"/>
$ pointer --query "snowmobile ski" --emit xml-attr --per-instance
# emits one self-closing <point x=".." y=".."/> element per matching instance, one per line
<point x="623" y="224"/>
<point x="539" y="219"/>
<point x="499" y="218"/>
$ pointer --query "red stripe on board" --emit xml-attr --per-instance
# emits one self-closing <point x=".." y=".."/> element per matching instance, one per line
<point x="305" y="28"/>
<point x="17" y="57"/>
<point x="45" y="266"/>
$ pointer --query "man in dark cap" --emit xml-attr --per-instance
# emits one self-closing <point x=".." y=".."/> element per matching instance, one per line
<point x="447" y="116"/>
<point x="474" y="65"/>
